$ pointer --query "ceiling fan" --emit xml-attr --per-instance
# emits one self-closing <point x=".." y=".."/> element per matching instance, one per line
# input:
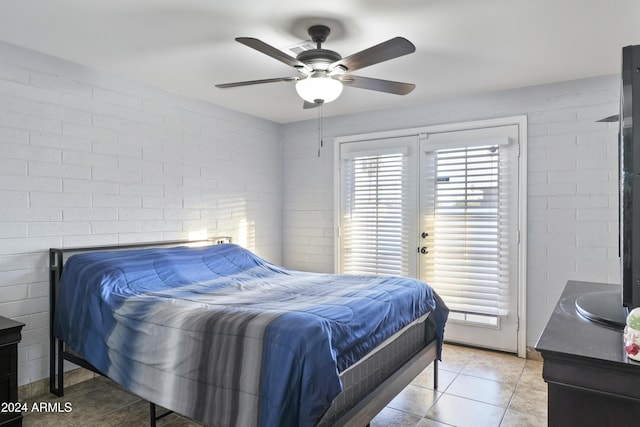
<point x="323" y="72"/>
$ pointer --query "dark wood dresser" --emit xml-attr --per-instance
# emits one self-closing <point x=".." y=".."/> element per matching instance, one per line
<point x="10" y="416"/>
<point x="591" y="382"/>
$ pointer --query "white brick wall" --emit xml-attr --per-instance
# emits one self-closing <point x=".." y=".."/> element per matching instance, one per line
<point x="87" y="158"/>
<point x="572" y="199"/>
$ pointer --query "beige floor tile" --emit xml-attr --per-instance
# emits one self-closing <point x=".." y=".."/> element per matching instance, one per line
<point x="513" y="418"/>
<point x="390" y="417"/>
<point x="47" y="420"/>
<point x="97" y="403"/>
<point x="426" y="422"/>
<point x="414" y="400"/>
<point x="455" y="358"/>
<point x="461" y="412"/>
<point x="425" y="379"/>
<point x="497" y="367"/>
<point x="529" y="400"/>
<point x="177" y="421"/>
<point x="133" y="415"/>
<point x="532" y="376"/>
<point x="84" y="387"/>
<point x="481" y="389"/>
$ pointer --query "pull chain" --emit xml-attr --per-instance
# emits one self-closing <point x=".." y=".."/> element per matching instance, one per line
<point x="320" y="128"/>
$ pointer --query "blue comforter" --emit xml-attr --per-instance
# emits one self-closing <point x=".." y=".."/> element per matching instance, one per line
<point x="222" y="336"/>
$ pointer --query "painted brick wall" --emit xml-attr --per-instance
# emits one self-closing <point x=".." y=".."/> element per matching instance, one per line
<point x="87" y="158"/>
<point x="572" y="181"/>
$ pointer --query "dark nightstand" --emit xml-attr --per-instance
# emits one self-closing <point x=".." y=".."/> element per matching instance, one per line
<point x="9" y="339"/>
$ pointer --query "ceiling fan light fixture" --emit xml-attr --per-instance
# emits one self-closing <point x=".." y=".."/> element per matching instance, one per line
<point x="319" y="88"/>
<point x="323" y="72"/>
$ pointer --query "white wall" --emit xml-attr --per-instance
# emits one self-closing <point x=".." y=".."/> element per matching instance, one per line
<point x="87" y="158"/>
<point x="572" y="181"/>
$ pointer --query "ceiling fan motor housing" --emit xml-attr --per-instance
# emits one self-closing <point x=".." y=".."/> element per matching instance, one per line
<point x="318" y="59"/>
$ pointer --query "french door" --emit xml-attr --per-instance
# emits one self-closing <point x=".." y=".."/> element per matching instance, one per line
<point x="378" y="206"/>
<point x="443" y="205"/>
<point x="469" y="231"/>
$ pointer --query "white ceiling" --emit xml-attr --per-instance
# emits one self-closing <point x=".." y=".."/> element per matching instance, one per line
<point x="462" y="46"/>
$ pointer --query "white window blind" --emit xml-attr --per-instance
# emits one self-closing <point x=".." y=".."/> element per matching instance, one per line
<point x="469" y="240"/>
<point x="376" y="212"/>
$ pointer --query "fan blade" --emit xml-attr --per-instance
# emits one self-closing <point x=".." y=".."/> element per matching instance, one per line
<point x="388" y="86"/>
<point x="610" y="119"/>
<point x="393" y="48"/>
<point x="271" y="51"/>
<point x="307" y="105"/>
<point x="257" y="82"/>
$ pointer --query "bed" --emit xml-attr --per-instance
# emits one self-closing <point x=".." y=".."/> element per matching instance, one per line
<point x="226" y="338"/>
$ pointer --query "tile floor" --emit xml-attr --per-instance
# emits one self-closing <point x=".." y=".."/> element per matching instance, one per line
<point x="477" y="388"/>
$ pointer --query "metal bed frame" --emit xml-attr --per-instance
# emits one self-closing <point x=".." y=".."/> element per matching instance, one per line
<point x="369" y="385"/>
<point x="58" y="351"/>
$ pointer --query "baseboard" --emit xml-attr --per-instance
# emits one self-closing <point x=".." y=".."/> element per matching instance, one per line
<point x="534" y="354"/>
<point x="40" y="388"/>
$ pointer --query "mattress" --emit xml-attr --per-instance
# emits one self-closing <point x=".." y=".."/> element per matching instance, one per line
<point x="224" y="337"/>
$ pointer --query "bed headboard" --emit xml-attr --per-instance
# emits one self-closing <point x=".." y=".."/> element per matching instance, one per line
<point x="57" y="255"/>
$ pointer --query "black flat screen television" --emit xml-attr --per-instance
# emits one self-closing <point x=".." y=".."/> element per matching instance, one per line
<point x="630" y="176"/>
<point x="611" y="308"/>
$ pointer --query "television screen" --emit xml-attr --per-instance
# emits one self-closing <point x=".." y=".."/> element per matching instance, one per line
<point x="611" y="308"/>
<point x="629" y="173"/>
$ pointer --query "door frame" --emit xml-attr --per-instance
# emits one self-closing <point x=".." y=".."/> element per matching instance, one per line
<point x="521" y="122"/>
